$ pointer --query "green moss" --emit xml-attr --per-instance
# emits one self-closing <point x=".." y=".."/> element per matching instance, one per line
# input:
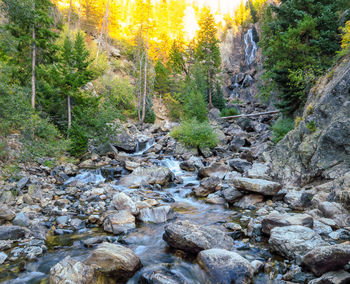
<point x="280" y="129"/>
<point x="311" y="126"/>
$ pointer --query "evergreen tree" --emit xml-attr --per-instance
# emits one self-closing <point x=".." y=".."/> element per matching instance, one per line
<point x="207" y="55"/>
<point x="299" y="40"/>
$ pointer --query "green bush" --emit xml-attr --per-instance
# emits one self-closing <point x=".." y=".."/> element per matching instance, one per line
<point x="174" y="107"/>
<point x="281" y="127"/>
<point x="195" y="134"/>
<point x="311" y="126"/>
<point x="229" y="112"/>
<point x="195" y="107"/>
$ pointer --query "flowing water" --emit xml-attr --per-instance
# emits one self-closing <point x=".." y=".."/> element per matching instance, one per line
<point x="146" y="241"/>
<point x="251" y="47"/>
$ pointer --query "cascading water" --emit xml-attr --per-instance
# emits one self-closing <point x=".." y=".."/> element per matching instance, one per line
<point x="92" y="176"/>
<point x="250" y="47"/>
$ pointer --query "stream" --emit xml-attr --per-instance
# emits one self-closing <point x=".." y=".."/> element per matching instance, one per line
<point x="146" y="240"/>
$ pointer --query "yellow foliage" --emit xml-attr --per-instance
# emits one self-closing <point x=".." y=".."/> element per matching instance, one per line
<point x="345" y="44"/>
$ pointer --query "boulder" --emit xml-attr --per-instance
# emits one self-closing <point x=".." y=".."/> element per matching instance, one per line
<point x="193" y="238"/>
<point x="121" y="201"/>
<point x="231" y="194"/>
<point x="69" y="270"/>
<point x="207" y="186"/>
<point x="192" y="164"/>
<point x="215" y="198"/>
<point x="156" y="215"/>
<point x="125" y="142"/>
<point x="240" y="165"/>
<point x="161" y="275"/>
<point x="261" y="186"/>
<point x="327" y="258"/>
<point x="334" y="277"/>
<point x="258" y="171"/>
<point x="21" y="220"/>
<point x="275" y="219"/>
<point x="114" y="261"/>
<point x="298" y="199"/>
<point x="294" y="241"/>
<point x="119" y="223"/>
<point x="152" y="176"/>
<point x="11" y="232"/>
<point x="214" y="170"/>
<point x="249" y="200"/>
<point x="6" y="213"/>
<point x="225" y="267"/>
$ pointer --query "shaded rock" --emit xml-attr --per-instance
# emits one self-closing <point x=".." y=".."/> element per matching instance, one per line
<point x="281" y="220"/>
<point x="114" y="261"/>
<point x="11" y="232"/>
<point x="77" y="223"/>
<point x="327" y="258"/>
<point x="192" y="238"/>
<point x="334" y="277"/>
<point x="22" y="182"/>
<point x="6" y="213"/>
<point x="125" y="142"/>
<point x="294" y="241"/>
<point x="257" y="266"/>
<point x="119" y="223"/>
<point x="215" y="198"/>
<point x="192" y="164"/>
<point x="249" y="200"/>
<point x="69" y="270"/>
<point x="240" y="165"/>
<point x="340" y="234"/>
<point x="207" y="186"/>
<point x="225" y="267"/>
<point x="214" y="170"/>
<point x="264" y="187"/>
<point x="231" y="194"/>
<point x="121" y="201"/>
<point x="21" y="220"/>
<point x="157" y="215"/>
<point x="298" y="200"/>
<point x="152" y="175"/>
<point x="161" y="275"/>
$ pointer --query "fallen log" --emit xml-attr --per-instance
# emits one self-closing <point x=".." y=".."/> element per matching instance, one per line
<point x="251" y="115"/>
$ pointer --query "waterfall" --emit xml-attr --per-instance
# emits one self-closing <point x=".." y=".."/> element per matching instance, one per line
<point x="250" y="47"/>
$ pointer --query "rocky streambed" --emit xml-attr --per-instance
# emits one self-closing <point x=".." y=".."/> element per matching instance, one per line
<point x="168" y="215"/>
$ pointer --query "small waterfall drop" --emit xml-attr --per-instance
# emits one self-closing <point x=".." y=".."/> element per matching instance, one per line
<point x="250" y="47"/>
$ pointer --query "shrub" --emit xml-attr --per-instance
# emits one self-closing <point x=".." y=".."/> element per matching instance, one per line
<point x="229" y="112"/>
<point x="311" y="126"/>
<point x="281" y="127"/>
<point x="195" y="134"/>
<point x="297" y="121"/>
<point x="195" y="107"/>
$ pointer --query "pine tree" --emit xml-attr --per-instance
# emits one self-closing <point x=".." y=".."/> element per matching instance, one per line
<point x="207" y="54"/>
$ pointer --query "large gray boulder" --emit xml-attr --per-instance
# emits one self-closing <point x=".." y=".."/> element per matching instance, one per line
<point x="319" y="146"/>
<point x="152" y="176"/>
<point x="261" y="186"/>
<point x="334" y="277"/>
<point x="119" y="223"/>
<point x="225" y="267"/>
<point x="121" y="201"/>
<point x="294" y="241"/>
<point x="114" y="261"/>
<point x="275" y="219"/>
<point x="11" y="232"/>
<point x="193" y="238"/>
<point x="214" y="170"/>
<point x="328" y="258"/>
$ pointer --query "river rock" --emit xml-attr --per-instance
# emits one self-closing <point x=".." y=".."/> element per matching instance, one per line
<point x="334" y="277"/>
<point x="231" y="194"/>
<point x="114" y="261"/>
<point x="193" y="238"/>
<point x="156" y="215"/>
<point x="152" y="175"/>
<point x="11" y="232"/>
<point x="249" y="200"/>
<point x="298" y="199"/>
<point x="192" y="164"/>
<point x="119" y="223"/>
<point x="225" y="267"/>
<point x="261" y="186"/>
<point x="214" y="170"/>
<point x="3" y="257"/>
<point x="21" y="220"/>
<point x="121" y="201"/>
<point x="6" y="213"/>
<point x="215" y="198"/>
<point x="69" y="270"/>
<point x="294" y="241"/>
<point x="125" y="142"/>
<point x="207" y="186"/>
<point x="161" y="275"/>
<point x="258" y="171"/>
<point x="275" y="219"/>
<point x="240" y="165"/>
<point x="327" y="258"/>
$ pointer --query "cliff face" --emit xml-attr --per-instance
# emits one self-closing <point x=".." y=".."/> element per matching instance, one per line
<point x="319" y="147"/>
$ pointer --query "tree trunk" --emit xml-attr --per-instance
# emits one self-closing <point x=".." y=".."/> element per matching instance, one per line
<point x="69" y="113"/>
<point x="145" y="75"/>
<point x="210" y="92"/>
<point x="33" y="67"/>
